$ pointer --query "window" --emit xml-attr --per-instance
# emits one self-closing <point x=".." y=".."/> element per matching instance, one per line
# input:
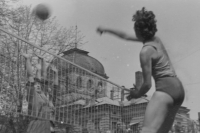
<point x="96" y="125"/>
<point x="100" y="84"/>
<point x="67" y="81"/>
<point x="79" y="82"/>
<point x="89" y="84"/>
<point x="100" y="87"/>
<point x="114" y="124"/>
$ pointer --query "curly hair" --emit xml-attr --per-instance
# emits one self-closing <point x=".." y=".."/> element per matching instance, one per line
<point x="145" y="23"/>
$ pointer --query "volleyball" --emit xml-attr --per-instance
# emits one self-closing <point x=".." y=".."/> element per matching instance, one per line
<point x="42" y="11"/>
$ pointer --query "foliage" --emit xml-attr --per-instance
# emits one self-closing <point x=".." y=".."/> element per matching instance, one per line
<point x="47" y="34"/>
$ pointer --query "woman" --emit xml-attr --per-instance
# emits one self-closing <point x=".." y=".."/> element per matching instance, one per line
<point x="169" y="94"/>
<point x="39" y="105"/>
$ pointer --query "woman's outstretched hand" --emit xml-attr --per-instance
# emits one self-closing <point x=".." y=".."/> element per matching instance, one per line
<point x="54" y="68"/>
<point x="100" y="30"/>
<point x="25" y="55"/>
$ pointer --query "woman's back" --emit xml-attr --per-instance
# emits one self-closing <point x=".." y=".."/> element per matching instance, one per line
<point x="161" y="65"/>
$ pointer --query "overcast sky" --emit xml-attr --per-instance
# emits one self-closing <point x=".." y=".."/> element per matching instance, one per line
<point x="178" y="27"/>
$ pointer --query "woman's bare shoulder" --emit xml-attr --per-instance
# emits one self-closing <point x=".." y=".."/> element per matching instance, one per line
<point x="157" y="39"/>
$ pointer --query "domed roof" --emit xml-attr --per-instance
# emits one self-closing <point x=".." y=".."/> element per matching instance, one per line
<point x="81" y="58"/>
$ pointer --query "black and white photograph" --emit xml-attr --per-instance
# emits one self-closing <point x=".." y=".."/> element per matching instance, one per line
<point x="99" y="66"/>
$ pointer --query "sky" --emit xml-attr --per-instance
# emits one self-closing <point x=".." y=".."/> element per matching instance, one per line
<point x="178" y="28"/>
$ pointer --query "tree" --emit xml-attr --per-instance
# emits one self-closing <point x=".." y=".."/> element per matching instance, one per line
<point x="47" y="34"/>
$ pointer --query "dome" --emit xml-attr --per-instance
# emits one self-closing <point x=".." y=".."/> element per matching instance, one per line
<point x="81" y="58"/>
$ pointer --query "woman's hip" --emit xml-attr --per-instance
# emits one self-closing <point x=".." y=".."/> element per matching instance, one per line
<point x="173" y="87"/>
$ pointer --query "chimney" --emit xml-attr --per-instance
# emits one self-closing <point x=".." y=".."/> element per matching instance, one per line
<point x="122" y="94"/>
<point x="138" y="79"/>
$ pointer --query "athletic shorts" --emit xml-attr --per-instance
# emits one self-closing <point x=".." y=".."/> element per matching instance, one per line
<point x="173" y="87"/>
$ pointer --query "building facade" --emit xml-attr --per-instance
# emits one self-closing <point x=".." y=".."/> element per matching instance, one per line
<point x="91" y="104"/>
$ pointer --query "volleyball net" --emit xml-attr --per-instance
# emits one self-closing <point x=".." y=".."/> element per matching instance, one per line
<point x="73" y="98"/>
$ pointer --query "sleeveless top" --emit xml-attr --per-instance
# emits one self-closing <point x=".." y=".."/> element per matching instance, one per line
<point x="161" y="66"/>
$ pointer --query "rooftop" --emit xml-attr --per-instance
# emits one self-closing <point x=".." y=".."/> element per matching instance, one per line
<point x="81" y="58"/>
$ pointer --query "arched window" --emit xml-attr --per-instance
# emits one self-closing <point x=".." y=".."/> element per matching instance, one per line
<point x="100" y="84"/>
<point x="89" y="84"/>
<point x="79" y="82"/>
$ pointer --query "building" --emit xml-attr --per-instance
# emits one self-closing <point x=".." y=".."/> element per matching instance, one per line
<point x="138" y="79"/>
<point x="90" y="103"/>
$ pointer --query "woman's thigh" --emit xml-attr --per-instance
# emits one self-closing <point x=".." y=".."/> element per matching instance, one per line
<point x="169" y="120"/>
<point x="157" y="111"/>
